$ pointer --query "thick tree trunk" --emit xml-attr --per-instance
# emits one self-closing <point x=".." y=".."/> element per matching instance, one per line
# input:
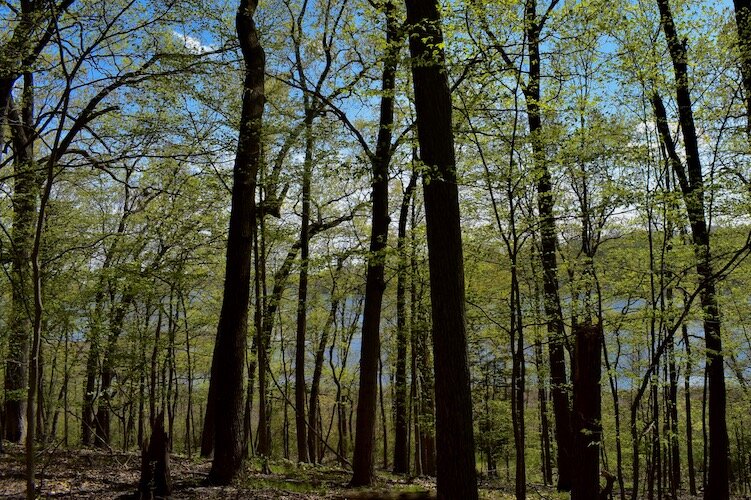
<point x="587" y="411"/>
<point x="456" y="474"/>
<point x="25" y="196"/>
<point x="362" y="463"/>
<point x="229" y="351"/>
<point x="371" y="339"/>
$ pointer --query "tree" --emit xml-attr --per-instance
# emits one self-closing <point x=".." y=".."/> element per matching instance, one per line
<point x="34" y="28"/>
<point x="690" y="179"/>
<point x="375" y="285"/>
<point x="455" y="445"/>
<point x="226" y="389"/>
<point x="401" y="422"/>
<point x="531" y="87"/>
<point x="743" y="24"/>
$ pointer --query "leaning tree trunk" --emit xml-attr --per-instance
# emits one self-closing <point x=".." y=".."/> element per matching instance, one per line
<point x="456" y="474"/>
<point x="229" y="351"/>
<point x="691" y="183"/>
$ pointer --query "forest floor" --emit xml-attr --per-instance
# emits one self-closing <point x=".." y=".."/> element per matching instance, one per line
<point x="96" y="474"/>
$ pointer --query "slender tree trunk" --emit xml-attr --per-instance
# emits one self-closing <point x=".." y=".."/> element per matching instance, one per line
<point x="546" y="467"/>
<point x="270" y="307"/>
<point x="375" y="285"/>
<point x="743" y="24"/>
<point x="548" y="243"/>
<point x="314" y="441"/>
<point x="108" y="372"/>
<point x="229" y="351"/>
<point x="674" y="447"/>
<point x="384" y="420"/>
<point x="456" y="474"/>
<point x="302" y="298"/>
<point x="401" y="422"/>
<point x="416" y="344"/>
<point x="689" y="424"/>
<point x="692" y="186"/>
<point x="614" y="393"/>
<point x="189" y="361"/>
<point x="517" y="383"/>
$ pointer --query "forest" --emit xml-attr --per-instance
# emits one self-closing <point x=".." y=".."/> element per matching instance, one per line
<point x="453" y="249"/>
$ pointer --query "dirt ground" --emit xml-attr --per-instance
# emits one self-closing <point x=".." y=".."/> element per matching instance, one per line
<point x="96" y="474"/>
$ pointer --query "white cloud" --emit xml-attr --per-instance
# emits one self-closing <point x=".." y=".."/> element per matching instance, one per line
<point x="194" y="45"/>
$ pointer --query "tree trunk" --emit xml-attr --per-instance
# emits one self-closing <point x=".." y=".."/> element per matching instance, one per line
<point x="362" y="463"/>
<point x="546" y="467"/>
<point x="314" y="438"/>
<point x="302" y="298"/>
<point x="102" y="419"/>
<point x="25" y="195"/>
<point x="675" y="455"/>
<point x="548" y="243"/>
<point x="691" y="182"/>
<point x="401" y="422"/>
<point x="517" y="383"/>
<point x="587" y="411"/>
<point x="456" y="474"/>
<point x="743" y="24"/>
<point x="229" y="351"/>
<point x="155" y="480"/>
<point x="689" y="425"/>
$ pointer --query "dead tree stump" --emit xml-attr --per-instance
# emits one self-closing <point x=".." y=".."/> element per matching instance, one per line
<point x="155" y="475"/>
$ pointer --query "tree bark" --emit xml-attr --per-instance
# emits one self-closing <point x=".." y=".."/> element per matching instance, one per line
<point x="229" y="351"/>
<point x="548" y="244"/>
<point x="25" y="195"/>
<point x="314" y="438"/>
<point x="401" y="422"/>
<point x="689" y="424"/>
<point x="691" y="183"/>
<point x="362" y="463"/>
<point x="456" y="474"/>
<point x="302" y="297"/>
<point x="743" y="24"/>
<point x="587" y="411"/>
